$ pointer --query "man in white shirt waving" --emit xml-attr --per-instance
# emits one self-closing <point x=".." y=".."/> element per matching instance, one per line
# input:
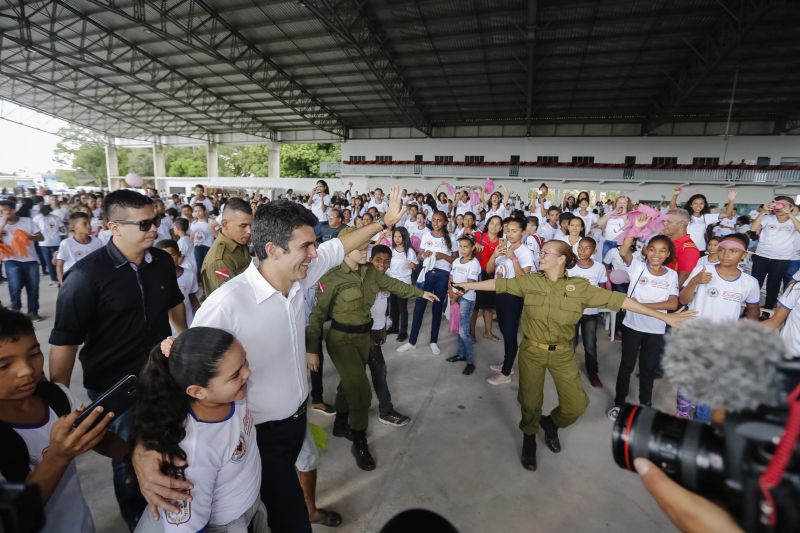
<point x="263" y="308"/>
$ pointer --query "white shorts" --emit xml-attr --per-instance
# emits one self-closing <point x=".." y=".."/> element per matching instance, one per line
<point x="308" y="459"/>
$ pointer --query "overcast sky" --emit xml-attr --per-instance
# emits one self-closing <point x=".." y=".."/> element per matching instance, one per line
<point x="23" y="148"/>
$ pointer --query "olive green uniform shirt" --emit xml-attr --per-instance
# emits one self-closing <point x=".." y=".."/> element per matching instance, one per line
<point x="225" y="259"/>
<point x="347" y="295"/>
<point x="552" y="309"/>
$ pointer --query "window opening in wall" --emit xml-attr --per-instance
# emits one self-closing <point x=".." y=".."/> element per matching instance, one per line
<point x="665" y="161"/>
<point x="513" y="170"/>
<point x="705" y="161"/>
<point x="473" y="159"/>
<point x="358" y="158"/>
<point x="383" y="158"/>
<point x="582" y="160"/>
<point x="763" y="161"/>
<point x="547" y="159"/>
<point x="418" y="158"/>
<point x="443" y="159"/>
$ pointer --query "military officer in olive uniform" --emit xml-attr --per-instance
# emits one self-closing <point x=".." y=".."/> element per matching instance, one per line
<point x="345" y="295"/>
<point x="554" y="303"/>
<point x="229" y="255"/>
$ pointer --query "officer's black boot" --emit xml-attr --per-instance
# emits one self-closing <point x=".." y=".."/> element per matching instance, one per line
<point x="550" y="433"/>
<point x="529" y="452"/>
<point x="360" y="451"/>
<point x="341" y="428"/>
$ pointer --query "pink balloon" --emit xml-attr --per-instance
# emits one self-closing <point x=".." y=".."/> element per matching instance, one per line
<point x="488" y="186"/>
<point x="619" y="277"/>
<point x="415" y="242"/>
<point x="133" y="179"/>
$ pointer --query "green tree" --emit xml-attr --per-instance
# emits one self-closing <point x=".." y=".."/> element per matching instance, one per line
<point x="84" y="151"/>
<point x="302" y="160"/>
<point x="138" y="160"/>
<point x="185" y="161"/>
<point x="240" y="160"/>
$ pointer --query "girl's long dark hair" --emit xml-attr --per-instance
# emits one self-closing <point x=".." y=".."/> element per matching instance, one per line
<point x="688" y="205"/>
<point x="446" y="233"/>
<point x="406" y="239"/>
<point x="163" y="403"/>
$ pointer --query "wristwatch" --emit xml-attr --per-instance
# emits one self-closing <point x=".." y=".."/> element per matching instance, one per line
<point x="383" y="224"/>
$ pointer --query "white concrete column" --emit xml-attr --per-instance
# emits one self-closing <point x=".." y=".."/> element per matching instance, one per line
<point x="275" y="160"/>
<point x="159" y="163"/>
<point x="112" y="164"/>
<point x="212" y="160"/>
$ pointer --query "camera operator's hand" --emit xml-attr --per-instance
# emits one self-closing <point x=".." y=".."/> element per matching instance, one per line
<point x="686" y="510"/>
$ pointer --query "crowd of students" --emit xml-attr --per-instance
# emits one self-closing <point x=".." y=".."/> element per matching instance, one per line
<point x="245" y="451"/>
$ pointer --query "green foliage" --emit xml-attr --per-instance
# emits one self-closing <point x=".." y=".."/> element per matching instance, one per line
<point x="302" y="160"/>
<point x="239" y="160"/>
<point x="84" y="151"/>
<point x="138" y="160"/>
<point x="185" y="161"/>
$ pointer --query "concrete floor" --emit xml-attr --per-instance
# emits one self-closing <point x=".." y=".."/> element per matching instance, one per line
<point x="459" y="456"/>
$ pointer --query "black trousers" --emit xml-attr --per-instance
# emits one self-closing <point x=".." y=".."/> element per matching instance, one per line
<point x="279" y="444"/>
<point x="647" y="348"/>
<point x="398" y="312"/>
<point x="587" y="327"/>
<point x="773" y="271"/>
<point x="316" y="378"/>
<point x="509" y="311"/>
<point x="377" y="369"/>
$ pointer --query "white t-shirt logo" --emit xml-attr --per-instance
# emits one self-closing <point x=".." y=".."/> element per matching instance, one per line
<point x="713" y="292"/>
<point x="239" y="451"/>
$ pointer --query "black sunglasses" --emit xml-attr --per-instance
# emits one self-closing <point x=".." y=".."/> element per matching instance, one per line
<point x="144" y="225"/>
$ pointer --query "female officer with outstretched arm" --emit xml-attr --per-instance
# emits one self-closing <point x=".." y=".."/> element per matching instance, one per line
<point x="553" y="304"/>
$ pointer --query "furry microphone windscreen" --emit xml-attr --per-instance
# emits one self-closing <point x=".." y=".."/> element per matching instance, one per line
<point x="726" y="365"/>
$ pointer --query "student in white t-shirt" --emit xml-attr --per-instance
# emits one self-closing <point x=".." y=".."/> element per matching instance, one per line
<point x="436" y="251"/>
<point x="22" y="265"/>
<point x="719" y="291"/>
<point x="465" y="269"/>
<point x="711" y="256"/>
<point x="47" y="446"/>
<point x="320" y="201"/>
<point x="549" y="228"/>
<point x="203" y="232"/>
<point x="511" y="259"/>
<point x="185" y="244"/>
<point x="575" y="232"/>
<point x="378" y="201"/>
<point x="656" y="286"/>
<point x="187" y="279"/>
<point x="777" y="222"/>
<point x="701" y="214"/>
<point x="595" y="273"/>
<point x="613" y="222"/>
<point x="533" y="241"/>
<point x="787" y="314"/>
<point x="198" y="382"/>
<point x="404" y="260"/>
<point x="584" y="213"/>
<point x="51" y="228"/>
<point x="77" y="246"/>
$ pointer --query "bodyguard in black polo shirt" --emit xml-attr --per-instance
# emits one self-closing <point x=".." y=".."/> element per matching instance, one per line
<point x="118" y="302"/>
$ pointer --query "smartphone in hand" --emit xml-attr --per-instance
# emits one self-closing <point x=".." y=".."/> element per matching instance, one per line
<point x="118" y="399"/>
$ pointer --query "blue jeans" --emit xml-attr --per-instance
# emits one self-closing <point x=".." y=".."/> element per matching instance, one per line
<point x="48" y="252"/>
<point x="465" y="348"/>
<point x="435" y="282"/>
<point x="774" y="271"/>
<point x="794" y="266"/>
<point x="608" y="245"/>
<point x="126" y="487"/>
<point x="23" y="274"/>
<point x="200" y="252"/>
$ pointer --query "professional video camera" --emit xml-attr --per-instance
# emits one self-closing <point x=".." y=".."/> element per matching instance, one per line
<point x="751" y="463"/>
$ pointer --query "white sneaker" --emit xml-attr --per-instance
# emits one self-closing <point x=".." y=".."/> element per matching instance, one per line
<point x="499" y="379"/>
<point x="435" y="348"/>
<point x="497" y="368"/>
<point x="613" y="413"/>
<point x="407" y="347"/>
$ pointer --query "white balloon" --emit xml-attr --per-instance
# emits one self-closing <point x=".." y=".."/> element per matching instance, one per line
<point x="133" y="179"/>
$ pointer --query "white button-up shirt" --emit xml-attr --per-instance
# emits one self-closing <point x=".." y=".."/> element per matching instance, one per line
<point x="272" y="330"/>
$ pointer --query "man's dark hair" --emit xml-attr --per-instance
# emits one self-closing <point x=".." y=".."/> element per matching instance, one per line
<point x="566" y="216"/>
<point x="553" y="208"/>
<point x="14" y="325"/>
<point x="337" y="211"/>
<point x="533" y="220"/>
<point x="274" y="222"/>
<point x="124" y="199"/>
<point x="381" y="249"/>
<point x="164" y="244"/>
<point x="237" y="204"/>
<point x="8" y="203"/>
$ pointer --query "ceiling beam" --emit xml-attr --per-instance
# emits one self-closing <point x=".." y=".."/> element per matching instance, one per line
<point x="530" y="37"/>
<point x="194" y="24"/>
<point x="705" y="57"/>
<point x="356" y="30"/>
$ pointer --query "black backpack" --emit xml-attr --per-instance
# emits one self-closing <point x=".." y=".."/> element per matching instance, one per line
<point x="15" y="460"/>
